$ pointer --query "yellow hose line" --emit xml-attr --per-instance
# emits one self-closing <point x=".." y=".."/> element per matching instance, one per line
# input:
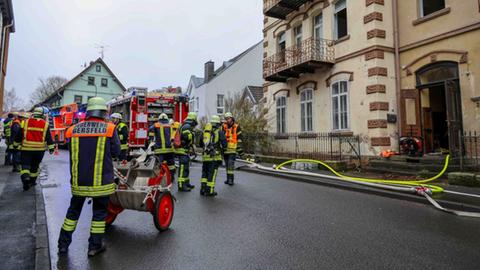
<point x="413" y="183"/>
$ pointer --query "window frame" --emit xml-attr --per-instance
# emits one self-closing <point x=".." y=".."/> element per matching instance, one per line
<point x="338" y="7"/>
<point x="104" y="80"/>
<point x="315" y="36"/>
<point x="220" y="109"/>
<point x="282" y="38"/>
<point x="304" y="118"/>
<point x="281" y="122"/>
<point x="421" y="11"/>
<point x="92" y="82"/>
<point x="339" y="95"/>
<point x="298" y="34"/>
<point x="75" y="97"/>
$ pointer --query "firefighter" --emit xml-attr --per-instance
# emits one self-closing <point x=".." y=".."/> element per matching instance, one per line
<point x="122" y="130"/>
<point x="92" y="145"/>
<point x="7" y="132"/>
<point x="161" y="134"/>
<point x="15" y="131"/>
<point x="233" y="133"/>
<point x="213" y="142"/>
<point x="33" y="139"/>
<point x="187" y="138"/>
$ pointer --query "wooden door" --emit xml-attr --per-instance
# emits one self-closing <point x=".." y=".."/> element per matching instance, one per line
<point x="454" y="116"/>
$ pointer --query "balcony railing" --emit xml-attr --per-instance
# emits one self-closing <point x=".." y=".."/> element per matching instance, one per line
<point x="281" y="8"/>
<point x="305" y="57"/>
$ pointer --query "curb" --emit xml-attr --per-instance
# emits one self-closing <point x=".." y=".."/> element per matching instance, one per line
<point x="364" y="189"/>
<point x="42" y="251"/>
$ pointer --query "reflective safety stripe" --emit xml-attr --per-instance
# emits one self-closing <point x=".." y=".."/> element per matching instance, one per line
<point x="229" y="171"/>
<point x="25" y="172"/>
<point x="74" y="157"/>
<point x="87" y="191"/>
<point x="69" y="225"/>
<point x="203" y="180"/>
<point x="97" y="227"/>
<point x="98" y="167"/>
<point x="32" y="174"/>
<point x="51" y="146"/>
<point x="124" y="147"/>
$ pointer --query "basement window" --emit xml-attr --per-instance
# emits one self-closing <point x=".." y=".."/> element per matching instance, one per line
<point x="340" y="19"/>
<point x="428" y="7"/>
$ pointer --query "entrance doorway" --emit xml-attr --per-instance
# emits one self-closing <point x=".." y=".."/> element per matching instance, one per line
<point x="440" y="107"/>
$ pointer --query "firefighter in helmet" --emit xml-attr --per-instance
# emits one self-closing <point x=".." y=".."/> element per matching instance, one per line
<point x="187" y="139"/>
<point x="7" y="132"/>
<point x="122" y="130"/>
<point x="16" y="130"/>
<point x="92" y="144"/>
<point x="161" y="134"/>
<point x="233" y="133"/>
<point x="34" y="139"/>
<point x="213" y="143"/>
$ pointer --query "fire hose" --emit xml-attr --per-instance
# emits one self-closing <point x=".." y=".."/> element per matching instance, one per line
<point x="418" y="187"/>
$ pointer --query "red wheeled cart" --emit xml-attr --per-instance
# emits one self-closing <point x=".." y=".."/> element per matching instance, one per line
<point x="143" y="185"/>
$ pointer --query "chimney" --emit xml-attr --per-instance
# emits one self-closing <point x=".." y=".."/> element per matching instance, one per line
<point x="209" y="69"/>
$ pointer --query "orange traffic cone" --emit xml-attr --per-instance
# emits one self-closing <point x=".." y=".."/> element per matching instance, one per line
<point x="56" y="150"/>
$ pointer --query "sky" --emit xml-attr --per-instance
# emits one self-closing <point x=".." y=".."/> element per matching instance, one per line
<point x="150" y="43"/>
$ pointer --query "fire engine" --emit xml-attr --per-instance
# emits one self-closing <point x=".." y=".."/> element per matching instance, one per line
<point x="140" y="109"/>
<point x="61" y="118"/>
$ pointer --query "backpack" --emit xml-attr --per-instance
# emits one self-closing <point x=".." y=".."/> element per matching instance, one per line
<point x="177" y="139"/>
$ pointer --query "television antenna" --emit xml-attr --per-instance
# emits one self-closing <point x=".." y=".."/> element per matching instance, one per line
<point x="102" y="48"/>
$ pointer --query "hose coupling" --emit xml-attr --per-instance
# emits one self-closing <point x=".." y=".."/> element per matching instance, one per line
<point x="423" y="190"/>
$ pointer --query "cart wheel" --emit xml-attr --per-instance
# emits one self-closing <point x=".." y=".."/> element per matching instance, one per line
<point x="163" y="213"/>
<point x="113" y="211"/>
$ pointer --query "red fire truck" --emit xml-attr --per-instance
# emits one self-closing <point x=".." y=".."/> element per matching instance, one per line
<point x="61" y="118"/>
<point x="140" y="109"/>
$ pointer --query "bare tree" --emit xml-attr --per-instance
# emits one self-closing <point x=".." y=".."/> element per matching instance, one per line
<point x="12" y="102"/>
<point x="46" y="88"/>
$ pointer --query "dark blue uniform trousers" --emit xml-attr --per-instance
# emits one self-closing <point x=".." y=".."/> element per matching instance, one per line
<point x="97" y="229"/>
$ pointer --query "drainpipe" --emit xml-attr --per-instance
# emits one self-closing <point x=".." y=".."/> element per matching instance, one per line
<point x="396" y="45"/>
<point x="3" y="42"/>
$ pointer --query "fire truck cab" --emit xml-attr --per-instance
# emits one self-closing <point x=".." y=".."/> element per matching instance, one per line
<point x="61" y="118"/>
<point x="140" y="109"/>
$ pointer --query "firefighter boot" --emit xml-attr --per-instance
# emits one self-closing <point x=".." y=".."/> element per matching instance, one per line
<point x="25" y="181"/>
<point x="182" y="186"/>
<point x="94" y="251"/>
<point x="190" y="186"/>
<point x="203" y="188"/>
<point x="210" y="192"/>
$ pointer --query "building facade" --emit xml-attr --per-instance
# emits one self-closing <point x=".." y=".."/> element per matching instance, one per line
<point x="7" y="26"/>
<point x="95" y="80"/>
<point x="350" y="67"/>
<point x="208" y="95"/>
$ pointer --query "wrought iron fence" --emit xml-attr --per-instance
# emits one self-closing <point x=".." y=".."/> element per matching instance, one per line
<point x="471" y="146"/>
<point x="321" y="146"/>
<point x="311" y="49"/>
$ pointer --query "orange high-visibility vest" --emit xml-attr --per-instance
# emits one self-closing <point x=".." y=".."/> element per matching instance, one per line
<point x="231" y="136"/>
<point x="34" y="133"/>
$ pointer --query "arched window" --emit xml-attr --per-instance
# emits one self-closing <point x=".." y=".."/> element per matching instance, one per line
<point x="437" y="73"/>
<point x="306" y="110"/>
<point x="340" y="111"/>
<point x="281" y="103"/>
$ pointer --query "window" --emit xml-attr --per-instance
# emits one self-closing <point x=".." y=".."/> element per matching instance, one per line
<point x="318" y="27"/>
<point x="340" y="105"/>
<point x="306" y="97"/>
<point x="77" y="99"/>
<point x="298" y="35"/>
<point x="104" y="82"/>
<point x="220" y="105"/>
<point x="192" y="104"/>
<point x="282" y="45"/>
<point x="430" y="6"/>
<point x="98" y="68"/>
<point x="91" y="80"/>
<point x="340" y="19"/>
<point x="281" y="114"/>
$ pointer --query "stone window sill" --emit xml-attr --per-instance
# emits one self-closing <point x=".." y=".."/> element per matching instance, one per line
<point x="342" y="39"/>
<point x="341" y="133"/>
<point x="431" y="16"/>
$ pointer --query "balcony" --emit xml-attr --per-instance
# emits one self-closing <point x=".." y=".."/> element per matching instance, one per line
<point x="305" y="57"/>
<point x="281" y="8"/>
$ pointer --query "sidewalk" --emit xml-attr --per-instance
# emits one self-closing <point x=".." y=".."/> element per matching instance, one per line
<point x="23" y="234"/>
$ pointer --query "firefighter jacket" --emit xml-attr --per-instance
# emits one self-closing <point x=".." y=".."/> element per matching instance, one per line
<point x="7" y="131"/>
<point x="213" y="143"/>
<point x="16" y="134"/>
<point x="233" y="134"/>
<point x="34" y="135"/>
<point x="162" y="134"/>
<point x="122" y="131"/>
<point x="93" y="144"/>
<point x="187" y="136"/>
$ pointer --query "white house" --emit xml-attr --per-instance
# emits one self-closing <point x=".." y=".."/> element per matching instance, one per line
<point x="208" y="94"/>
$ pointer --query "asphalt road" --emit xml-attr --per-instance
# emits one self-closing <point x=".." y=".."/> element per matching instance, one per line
<point x="270" y="223"/>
